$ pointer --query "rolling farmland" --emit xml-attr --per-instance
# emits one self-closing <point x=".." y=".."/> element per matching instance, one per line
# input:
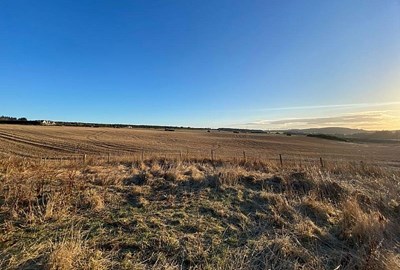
<point x="66" y="142"/>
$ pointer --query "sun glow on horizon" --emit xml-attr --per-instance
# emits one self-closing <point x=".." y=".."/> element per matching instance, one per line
<point x="372" y="116"/>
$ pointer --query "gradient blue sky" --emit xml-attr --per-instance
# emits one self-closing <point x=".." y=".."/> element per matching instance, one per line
<point x="256" y="64"/>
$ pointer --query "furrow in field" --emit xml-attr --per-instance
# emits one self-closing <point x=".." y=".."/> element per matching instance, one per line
<point x="33" y="143"/>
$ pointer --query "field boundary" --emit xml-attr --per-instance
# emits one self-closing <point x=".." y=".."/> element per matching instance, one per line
<point x="281" y="160"/>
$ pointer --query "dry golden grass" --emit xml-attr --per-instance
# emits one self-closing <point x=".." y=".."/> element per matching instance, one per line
<point x="72" y="253"/>
<point x="197" y="214"/>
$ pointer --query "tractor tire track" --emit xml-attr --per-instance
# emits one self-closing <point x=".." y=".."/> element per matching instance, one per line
<point x="114" y="147"/>
<point x="16" y="139"/>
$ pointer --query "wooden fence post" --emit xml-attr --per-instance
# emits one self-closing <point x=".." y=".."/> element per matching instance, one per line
<point x="321" y="161"/>
<point x="180" y="155"/>
<point x="108" y="157"/>
<point x="244" y="156"/>
<point x="280" y="159"/>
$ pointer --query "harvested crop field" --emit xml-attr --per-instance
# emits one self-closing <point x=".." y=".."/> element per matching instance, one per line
<point x="66" y="142"/>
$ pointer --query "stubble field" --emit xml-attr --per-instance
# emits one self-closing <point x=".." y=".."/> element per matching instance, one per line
<point x="67" y="142"/>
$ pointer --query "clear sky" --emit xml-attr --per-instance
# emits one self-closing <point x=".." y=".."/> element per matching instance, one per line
<point x="257" y="64"/>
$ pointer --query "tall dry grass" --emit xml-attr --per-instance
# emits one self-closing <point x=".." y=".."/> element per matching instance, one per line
<point x="197" y="214"/>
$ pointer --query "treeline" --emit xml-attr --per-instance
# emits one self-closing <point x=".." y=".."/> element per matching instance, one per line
<point x="241" y="130"/>
<point x="25" y="121"/>
<point x="374" y="136"/>
<point x="80" y="124"/>
<point x="17" y="121"/>
<point x="327" y="137"/>
<point x="8" y="118"/>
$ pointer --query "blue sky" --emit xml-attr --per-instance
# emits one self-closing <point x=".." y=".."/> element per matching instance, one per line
<point x="257" y="64"/>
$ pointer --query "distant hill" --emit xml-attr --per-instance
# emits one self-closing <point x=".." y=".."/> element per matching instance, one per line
<point x="377" y="136"/>
<point x="328" y="131"/>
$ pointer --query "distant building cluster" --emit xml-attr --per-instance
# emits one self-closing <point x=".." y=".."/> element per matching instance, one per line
<point x="47" y="123"/>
